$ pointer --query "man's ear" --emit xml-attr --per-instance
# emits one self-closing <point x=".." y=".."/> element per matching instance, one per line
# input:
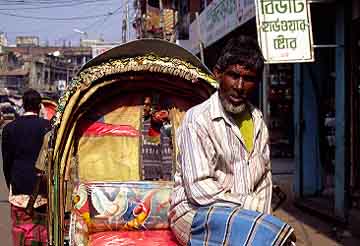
<point x="217" y="73"/>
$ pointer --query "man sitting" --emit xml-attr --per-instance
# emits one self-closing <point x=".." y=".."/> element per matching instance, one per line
<point x="223" y="183"/>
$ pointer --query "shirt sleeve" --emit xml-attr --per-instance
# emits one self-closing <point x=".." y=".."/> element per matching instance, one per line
<point x="41" y="162"/>
<point x="263" y="189"/>
<point x="198" y="161"/>
<point x="7" y="155"/>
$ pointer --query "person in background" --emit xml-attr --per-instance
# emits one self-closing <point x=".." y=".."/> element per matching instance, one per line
<point x="149" y="147"/>
<point x="147" y="107"/>
<point x="21" y="143"/>
<point x="223" y="182"/>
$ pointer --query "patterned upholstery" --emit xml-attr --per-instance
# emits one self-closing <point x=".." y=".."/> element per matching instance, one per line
<point x="100" y="207"/>
<point x="138" y="238"/>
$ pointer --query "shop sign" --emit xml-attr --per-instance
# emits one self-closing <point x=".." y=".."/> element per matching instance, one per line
<point x="100" y="48"/>
<point x="218" y="19"/>
<point x="284" y="30"/>
<point x="61" y="85"/>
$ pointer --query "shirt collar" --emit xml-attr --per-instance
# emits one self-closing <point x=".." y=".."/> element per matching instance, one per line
<point x="30" y="113"/>
<point x="218" y="111"/>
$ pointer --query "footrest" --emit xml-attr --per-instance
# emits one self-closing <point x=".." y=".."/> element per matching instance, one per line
<point x="129" y="238"/>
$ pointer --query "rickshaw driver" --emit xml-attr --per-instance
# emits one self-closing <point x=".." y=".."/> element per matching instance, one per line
<point x="223" y="171"/>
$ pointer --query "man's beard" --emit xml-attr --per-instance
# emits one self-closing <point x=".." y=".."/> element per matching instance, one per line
<point x="230" y="108"/>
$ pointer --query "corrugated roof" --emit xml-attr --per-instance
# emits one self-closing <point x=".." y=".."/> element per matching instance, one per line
<point x="46" y="50"/>
<point x="14" y="72"/>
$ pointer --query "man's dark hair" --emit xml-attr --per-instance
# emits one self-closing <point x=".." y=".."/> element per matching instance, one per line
<point x="31" y="100"/>
<point x="243" y="50"/>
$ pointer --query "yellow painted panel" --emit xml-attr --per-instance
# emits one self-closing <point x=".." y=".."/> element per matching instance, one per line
<point x="109" y="158"/>
<point x="126" y="115"/>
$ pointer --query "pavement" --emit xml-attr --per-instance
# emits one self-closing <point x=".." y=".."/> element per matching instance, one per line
<point x="5" y="224"/>
<point x="5" y="221"/>
<point x="309" y="229"/>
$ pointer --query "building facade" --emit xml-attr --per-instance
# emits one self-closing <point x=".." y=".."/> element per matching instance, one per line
<point x="321" y="98"/>
<point x="41" y="68"/>
<point x="155" y="19"/>
<point x="217" y="22"/>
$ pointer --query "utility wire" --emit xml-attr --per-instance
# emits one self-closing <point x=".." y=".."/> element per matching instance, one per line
<point x="97" y="22"/>
<point x="37" y="3"/>
<point x="53" y="6"/>
<point x="54" y="18"/>
<point x="93" y="24"/>
<point x="44" y="2"/>
<point x="102" y="21"/>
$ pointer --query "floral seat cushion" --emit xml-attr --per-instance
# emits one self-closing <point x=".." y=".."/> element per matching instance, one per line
<point x="139" y="207"/>
<point x="130" y="238"/>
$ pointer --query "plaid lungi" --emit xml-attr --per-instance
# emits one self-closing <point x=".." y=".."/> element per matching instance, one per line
<point x="28" y="230"/>
<point x="237" y="226"/>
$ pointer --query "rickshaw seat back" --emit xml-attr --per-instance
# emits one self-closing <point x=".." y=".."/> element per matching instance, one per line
<point x="108" y="149"/>
<point x="119" y="206"/>
<point x="111" y="145"/>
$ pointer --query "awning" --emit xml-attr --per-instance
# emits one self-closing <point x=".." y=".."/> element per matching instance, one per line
<point x="14" y="72"/>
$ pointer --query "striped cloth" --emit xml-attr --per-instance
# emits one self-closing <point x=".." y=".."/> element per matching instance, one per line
<point x="236" y="226"/>
<point x="156" y="154"/>
<point x="28" y="230"/>
<point x="214" y="166"/>
<point x="150" y="153"/>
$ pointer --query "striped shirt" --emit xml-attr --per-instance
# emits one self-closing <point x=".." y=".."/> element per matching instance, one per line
<point x="214" y="167"/>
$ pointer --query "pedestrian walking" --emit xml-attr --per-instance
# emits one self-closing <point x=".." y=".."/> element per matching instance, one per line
<point x="21" y="143"/>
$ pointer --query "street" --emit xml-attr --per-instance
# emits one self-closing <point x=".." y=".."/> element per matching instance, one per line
<point x="309" y="229"/>
<point x="5" y="222"/>
<point x="133" y="68"/>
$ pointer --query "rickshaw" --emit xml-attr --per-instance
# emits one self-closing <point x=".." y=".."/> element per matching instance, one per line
<point x="97" y="150"/>
<point x="107" y="182"/>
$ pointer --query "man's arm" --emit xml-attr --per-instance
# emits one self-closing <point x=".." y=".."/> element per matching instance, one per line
<point x="40" y="164"/>
<point x="7" y="155"/>
<point x="263" y="190"/>
<point x="198" y="161"/>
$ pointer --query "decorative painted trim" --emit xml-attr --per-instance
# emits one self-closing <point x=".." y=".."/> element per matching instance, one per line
<point x="150" y="63"/>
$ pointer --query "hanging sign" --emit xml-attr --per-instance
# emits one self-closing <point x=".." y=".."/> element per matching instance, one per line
<point x="217" y="20"/>
<point x="98" y="49"/>
<point x="284" y="30"/>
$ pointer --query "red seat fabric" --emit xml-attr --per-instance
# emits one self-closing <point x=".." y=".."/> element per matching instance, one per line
<point x="130" y="238"/>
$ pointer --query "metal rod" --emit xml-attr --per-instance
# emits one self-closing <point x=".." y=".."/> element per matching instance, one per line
<point x="321" y="1"/>
<point x="201" y="47"/>
<point x="265" y="90"/>
<point x="127" y="21"/>
<point x="341" y="85"/>
<point x="162" y="20"/>
<point x="328" y="45"/>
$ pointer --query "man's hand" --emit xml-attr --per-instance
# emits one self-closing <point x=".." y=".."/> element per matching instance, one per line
<point x="280" y="195"/>
<point x="29" y="210"/>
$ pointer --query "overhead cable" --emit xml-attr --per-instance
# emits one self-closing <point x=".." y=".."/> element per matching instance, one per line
<point x="51" y="6"/>
<point x="55" y="18"/>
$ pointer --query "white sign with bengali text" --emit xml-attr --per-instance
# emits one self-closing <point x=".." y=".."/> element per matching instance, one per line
<point x="218" y="19"/>
<point x="284" y="30"/>
<point x="100" y="48"/>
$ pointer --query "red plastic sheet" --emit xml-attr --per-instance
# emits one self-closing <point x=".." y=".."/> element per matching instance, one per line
<point x="130" y="238"/>
<point x="49" y="109"/>
<point x="104" y="129"/>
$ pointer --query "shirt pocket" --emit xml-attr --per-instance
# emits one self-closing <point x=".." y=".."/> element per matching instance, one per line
<point x="257" y="168"/>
